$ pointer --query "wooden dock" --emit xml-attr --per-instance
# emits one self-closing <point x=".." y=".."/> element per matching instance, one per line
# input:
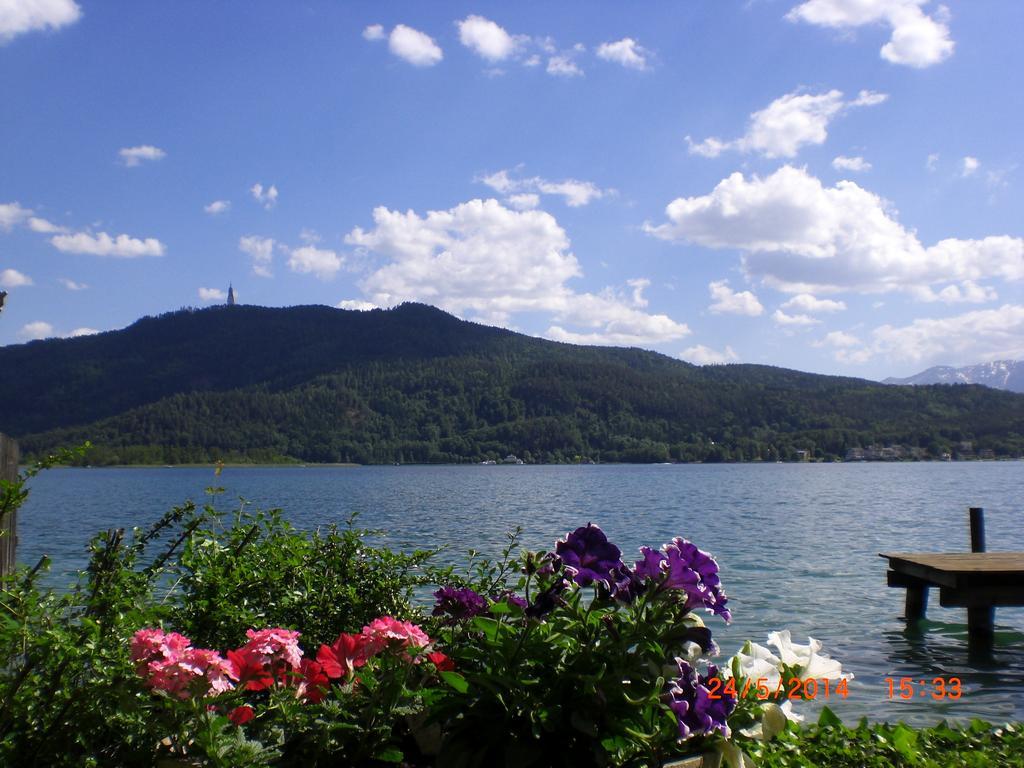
<point x="978" y="580"/>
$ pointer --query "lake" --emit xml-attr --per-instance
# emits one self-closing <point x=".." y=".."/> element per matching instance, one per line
<point x="797" y="544"/>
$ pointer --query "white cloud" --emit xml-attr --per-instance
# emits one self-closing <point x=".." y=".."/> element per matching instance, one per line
<point x="486" y="38"/>
<point x="316" y="261"/>
<point x="701" y="355"/>
<point x="574" y="192"/>
<point x="782" y="318"/>
<point x="413" y="46"/>
<point x="787" y="124"/>
<point x="802" y="237"/>
<point x="212" y="294"/>
<point x="969" y="165"/>
<point x="730" y="302"/>
<point x="978" y="336"/>
<point x="12" y="278"/>
<point x="71" y="285"/>
<point x="20" y="16"/>
<point x="37" y="330"/>
<point x="373" y="32"/>
<point x="37" y="224"/>
<point x="524" y="201"/>
<point x="133" y="156"/>
<point x="639" y="285"/>
<point x="261" y="250"/>
<point x="805" y="302"/>
<point x="967" y="292"/>
<point x="83" y="331"/>
<point x="918" y="40"/>
<point x="12" y="214"/>
<point x="102" y="244"/>
<point x="483" y="258"/>
<point x="846" y="348"/>
<point x="626" y="52"/>
<point x="219" y="206"/>
<point x="839" y="340"/>
<point x="932" y="162"/>
<point x="855" y="164"/>
<point x="265" y="197"/>
<point x="356" y="304"/>
<point x="563" y="65"/>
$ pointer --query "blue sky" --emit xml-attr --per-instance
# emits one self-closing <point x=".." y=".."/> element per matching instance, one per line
<point x="830" y="185"/>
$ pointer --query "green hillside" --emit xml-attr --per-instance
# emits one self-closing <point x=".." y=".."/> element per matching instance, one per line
<point x="414" y="384"/>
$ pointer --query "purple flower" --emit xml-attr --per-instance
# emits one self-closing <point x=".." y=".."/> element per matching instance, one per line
<point x="684" y="567"/>
<point x="546" y="601"/>
<point x="513" y="599"/>
<point x="690" y="701"/>
<point x="588" y="556"/>
<point x="459" y="603"/>
<point x="696" y="572"/>
<point x="626" y="584"/>
<point x="650" y="566"/>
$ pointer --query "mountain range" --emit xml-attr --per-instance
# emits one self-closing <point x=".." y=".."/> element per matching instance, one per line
<point x="998" y="374"/>
<point x="414" y="384"/>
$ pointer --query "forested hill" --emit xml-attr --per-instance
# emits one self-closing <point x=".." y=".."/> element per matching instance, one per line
<point x="414" y="384"/>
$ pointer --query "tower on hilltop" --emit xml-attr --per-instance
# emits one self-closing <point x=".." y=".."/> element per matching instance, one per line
<point x="231" y="296"/>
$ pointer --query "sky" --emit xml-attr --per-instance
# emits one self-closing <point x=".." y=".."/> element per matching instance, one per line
<point x="834" y="186"/>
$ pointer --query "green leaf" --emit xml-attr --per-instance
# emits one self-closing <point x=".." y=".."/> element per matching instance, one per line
<point x="905" y="741"/>
<point x="456" y="681"/>
<point x="828" y="717"/>
<point x="390" y="755"/>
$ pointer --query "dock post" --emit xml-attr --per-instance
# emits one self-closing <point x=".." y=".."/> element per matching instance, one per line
<point x="977" y="529"/>
<point x="9" y="521"/>
<point x="917" y="602"/>
<point x="981" y="619"/>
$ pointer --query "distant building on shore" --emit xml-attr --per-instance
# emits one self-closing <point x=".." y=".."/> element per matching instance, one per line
<point x="231" y="295"/>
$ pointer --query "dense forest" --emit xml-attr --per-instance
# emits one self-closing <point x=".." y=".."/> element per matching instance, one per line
<point x="413" y="384"/>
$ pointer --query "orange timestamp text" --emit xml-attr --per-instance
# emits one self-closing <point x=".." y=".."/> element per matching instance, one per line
<point x="907" y="688"/>
<point x="794" y="688"/>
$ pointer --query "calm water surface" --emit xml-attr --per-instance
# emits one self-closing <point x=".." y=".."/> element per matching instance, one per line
<point x="798" y="544"/>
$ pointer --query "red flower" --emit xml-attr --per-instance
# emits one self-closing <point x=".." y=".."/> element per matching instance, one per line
<point x="248" y="668"/>
<point x="442" y="662"/>
<point x="241" y="715"/>
<point x="344" y="655"/>
<point x="313" y="683"/>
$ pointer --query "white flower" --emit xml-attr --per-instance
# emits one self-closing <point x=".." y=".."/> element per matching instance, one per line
<point x="756" y="663"/>
<point x="807" y="660"/>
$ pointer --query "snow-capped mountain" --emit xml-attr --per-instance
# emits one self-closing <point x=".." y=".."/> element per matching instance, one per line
<point x="999" y="374"/>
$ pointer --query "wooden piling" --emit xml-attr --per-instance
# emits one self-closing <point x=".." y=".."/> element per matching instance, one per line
<point x="977" y="529"/>
<point x="9" y="521"/>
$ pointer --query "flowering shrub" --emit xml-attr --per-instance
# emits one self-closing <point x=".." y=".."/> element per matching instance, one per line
<point x="263" y="679"/>
<point x="582" y="659"/>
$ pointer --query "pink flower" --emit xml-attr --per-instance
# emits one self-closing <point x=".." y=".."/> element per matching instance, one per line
<point x="241" y="715"/>
<point x="168" y="663"/>
<point x="269" y="654"/>
<point x="210" y="665"/>
<point x="274" y="645"/>
<point x="153" y="645"/>
<point x="386" y="631"/>
<point x="344" y="655"/>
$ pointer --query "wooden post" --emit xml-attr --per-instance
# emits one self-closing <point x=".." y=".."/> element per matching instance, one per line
<point x="9" y="522"/>
<point x="917" y="603"/>
<point x="977" y="529"/>
<point x="981" y="619"/>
